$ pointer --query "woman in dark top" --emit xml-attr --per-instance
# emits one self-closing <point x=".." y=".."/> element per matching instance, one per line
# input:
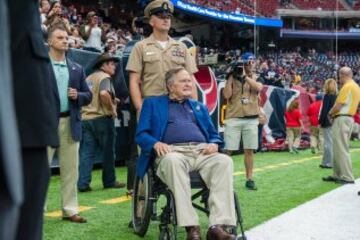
<point x="330" y="89"/>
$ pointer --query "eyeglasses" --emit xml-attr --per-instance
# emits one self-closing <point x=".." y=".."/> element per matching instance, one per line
<point x="163" y="15"/>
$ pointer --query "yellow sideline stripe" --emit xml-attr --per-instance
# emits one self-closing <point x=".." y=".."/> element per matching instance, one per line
<point x="117" y="200"/>
<point x="275" y="166"/>
<point x="59" y="213"/>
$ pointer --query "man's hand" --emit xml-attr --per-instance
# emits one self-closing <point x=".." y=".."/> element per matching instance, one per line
<point x="117" y="101"/>
<point x="72" y="93"/>
<point x="161" y="149"/>
<point x="210" y="149"/>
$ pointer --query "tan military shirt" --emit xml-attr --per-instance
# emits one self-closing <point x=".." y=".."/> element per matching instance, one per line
<point x="151" y="61"/>
<point x="243" y="103"/>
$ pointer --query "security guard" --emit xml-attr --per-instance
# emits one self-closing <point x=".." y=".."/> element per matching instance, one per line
<point x="149" y="60"/>
<point x="242" y="112"/>
<point x="152" y="57"/>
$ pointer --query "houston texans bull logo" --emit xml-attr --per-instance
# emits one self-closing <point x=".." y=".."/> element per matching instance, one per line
<point x="206" y="80"/>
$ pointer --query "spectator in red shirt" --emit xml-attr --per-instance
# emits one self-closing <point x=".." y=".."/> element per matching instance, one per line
<point x="293" y="126"/>
<point x="316" y="137"/>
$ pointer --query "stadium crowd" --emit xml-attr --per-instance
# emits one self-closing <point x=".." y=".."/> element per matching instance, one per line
<point x="308" y="68"/>
<point x="87" y="31"/>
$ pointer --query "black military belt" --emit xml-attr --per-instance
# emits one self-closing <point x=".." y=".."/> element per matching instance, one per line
<point x="250" y="116"/>
<point x="65" y="114"/>
<point x="343" y="115"/>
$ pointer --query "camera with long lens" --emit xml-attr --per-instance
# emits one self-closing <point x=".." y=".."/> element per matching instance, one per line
<point x="238" y="72"/>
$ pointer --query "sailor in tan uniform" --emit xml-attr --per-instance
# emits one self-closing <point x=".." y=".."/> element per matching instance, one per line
<point x="152" y="57"/>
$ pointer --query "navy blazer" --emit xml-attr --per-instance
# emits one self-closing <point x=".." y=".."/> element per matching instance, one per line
<point x="152" y="125"/>
<point x="77" y="81"/>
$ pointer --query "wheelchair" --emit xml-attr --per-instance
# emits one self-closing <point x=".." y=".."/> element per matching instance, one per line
<point x="147" y="192"/>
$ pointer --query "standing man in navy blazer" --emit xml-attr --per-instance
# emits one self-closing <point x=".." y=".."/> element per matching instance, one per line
<point x="177" y="133"/>
<point x="73" y="93"/>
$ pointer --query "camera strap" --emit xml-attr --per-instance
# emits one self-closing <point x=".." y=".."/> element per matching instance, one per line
<point x="242" y="89"/>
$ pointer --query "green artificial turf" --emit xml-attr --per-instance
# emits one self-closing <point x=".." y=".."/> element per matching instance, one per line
<point x="280" y="188"/>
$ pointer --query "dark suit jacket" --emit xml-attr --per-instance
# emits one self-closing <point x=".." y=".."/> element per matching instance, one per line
<point x="77" y="81"/>
<point x="10" y="168"/>
<point x="36" y="99"/>
<point x="152" y="125"/>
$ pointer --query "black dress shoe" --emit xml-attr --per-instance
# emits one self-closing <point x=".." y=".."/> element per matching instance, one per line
<point x="324" y="166"/>
<point x="329" y="179"/>
<point x="341" y="181"/>
<point x="86" y="189"/>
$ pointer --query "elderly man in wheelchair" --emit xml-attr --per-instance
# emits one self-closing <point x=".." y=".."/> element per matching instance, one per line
<point x="177" y="131"/>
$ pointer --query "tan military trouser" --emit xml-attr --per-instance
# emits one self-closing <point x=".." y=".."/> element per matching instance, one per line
<point x="317" y="138"/>
<point x="68" y="154"/>
<point x="216" y="171"/>
<point x="341" y="132"/>
<point x="293" y="133"/>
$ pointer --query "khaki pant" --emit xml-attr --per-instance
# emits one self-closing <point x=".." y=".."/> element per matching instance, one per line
<point x="216" y="171"/>
<point x="68" y="155"/>
<point x="341" y="132"/>
<point x="293" y="133"/>
<point x="317" y="138"/>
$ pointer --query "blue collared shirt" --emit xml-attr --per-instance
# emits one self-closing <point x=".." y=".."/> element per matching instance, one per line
<point x="61" y="72"/>
<point x="182" y="126"/>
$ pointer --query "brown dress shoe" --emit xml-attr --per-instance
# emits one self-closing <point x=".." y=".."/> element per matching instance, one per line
<point x="193" y="233"/>
<point x="75" y="218"/>
<point x="117" y="185"/>
<point x="218" y="233"/>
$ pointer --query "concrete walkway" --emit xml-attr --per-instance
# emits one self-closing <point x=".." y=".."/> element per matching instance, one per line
<point x="332" y="216"/>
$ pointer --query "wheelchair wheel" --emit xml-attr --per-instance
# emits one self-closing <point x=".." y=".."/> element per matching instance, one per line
<point x="168" y="224"/>
<point x="239" y="220"/>
<point x="142" y="204"/>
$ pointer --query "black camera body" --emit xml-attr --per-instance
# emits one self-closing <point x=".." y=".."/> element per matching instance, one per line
<point x="238" y="72"/>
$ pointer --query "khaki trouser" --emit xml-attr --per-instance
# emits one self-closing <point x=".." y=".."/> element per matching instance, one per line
<point x="216" y="171"/>
<point x="317" y="138"/>
<point x="68" y="155"/>
<point x="291" y="134"/>
<point x="341" y="132"/>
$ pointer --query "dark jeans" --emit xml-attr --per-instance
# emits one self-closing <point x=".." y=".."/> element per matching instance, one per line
<point x="98" y="138"/>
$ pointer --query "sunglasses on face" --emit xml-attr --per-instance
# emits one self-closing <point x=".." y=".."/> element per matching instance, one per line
<point x="163" y="15"/>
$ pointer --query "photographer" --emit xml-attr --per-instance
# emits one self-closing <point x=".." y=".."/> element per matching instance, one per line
<point x="242" y="112"/>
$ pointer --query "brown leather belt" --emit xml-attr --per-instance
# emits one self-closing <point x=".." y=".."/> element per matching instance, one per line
<point x="343" y="115"/>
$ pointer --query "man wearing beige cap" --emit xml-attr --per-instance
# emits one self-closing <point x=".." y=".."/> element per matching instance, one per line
<point x="150" y="59"/>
